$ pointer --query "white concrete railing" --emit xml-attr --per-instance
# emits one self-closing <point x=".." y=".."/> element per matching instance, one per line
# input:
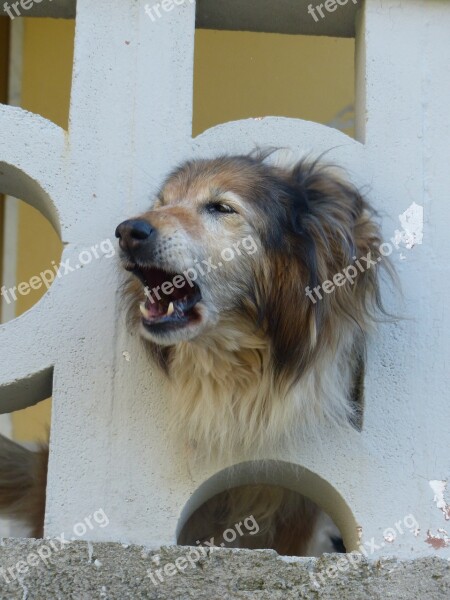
<point x="131" y="111"/>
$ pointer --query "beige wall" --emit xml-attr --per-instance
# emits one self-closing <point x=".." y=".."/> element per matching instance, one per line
<point x="237" y="75"/>
<point x="47" y="69"/>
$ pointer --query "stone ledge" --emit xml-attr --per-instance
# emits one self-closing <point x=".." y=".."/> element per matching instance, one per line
<point x="84" y="571"/>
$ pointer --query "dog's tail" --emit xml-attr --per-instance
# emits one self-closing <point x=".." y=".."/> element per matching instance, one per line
<point x="23" y="481"/>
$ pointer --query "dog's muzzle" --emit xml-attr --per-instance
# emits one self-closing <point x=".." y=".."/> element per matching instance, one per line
<point x="170" y="297"/>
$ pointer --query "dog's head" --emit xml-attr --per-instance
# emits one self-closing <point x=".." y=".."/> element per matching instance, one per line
<point x="237" y="240"/>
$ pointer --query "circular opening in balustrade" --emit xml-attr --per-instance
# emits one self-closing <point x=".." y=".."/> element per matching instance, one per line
<point x="30" y="245"/>
<point x="30" y="252"/>
<point x="268" y="505"/>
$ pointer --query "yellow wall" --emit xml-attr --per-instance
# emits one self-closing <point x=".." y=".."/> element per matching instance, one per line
<point x="237" y="75"/>
<point x="47" y="70"/>
<point x="241" y="74"/>
<point x="4" y="63"/>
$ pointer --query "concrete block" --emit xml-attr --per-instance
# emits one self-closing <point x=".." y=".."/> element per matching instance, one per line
<point x="84" y="571"/>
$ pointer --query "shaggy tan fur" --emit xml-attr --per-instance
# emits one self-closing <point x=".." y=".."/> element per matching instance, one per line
<point x="23" y="480"/>
<point x="262" y="365"/>
<point x="265" y="364"/>
<point x="254" y="364"/>
<point x="285" y="520"/>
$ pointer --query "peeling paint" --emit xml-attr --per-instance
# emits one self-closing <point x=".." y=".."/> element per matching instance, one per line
<point x="412" y="227"/>
<point x="126" y="355"/>
<point x="439" y="541"/>
<point x="439" y="488"/>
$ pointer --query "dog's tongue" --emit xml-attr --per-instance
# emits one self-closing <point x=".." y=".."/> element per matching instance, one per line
<point x="173" y="305"/>
<point x="155" y="309"/>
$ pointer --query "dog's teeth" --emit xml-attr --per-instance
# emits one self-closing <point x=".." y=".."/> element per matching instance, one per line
<point x="171" y="309"/>
<point x="145" y="313"/>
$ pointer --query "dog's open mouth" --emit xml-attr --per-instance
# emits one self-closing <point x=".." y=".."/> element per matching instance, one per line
<point x="170" y="299"/>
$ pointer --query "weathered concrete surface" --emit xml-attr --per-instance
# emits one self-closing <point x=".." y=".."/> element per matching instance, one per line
<point x="83" y="571"/>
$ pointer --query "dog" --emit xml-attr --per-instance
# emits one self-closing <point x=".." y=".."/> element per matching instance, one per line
<point x="222" y="273"/>
<point x="23" y="481"/>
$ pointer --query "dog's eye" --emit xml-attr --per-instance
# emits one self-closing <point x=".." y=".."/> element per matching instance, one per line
<point x="219" y="207"/>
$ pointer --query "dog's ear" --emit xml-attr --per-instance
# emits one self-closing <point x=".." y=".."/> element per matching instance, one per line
<point x="329" y="231"/>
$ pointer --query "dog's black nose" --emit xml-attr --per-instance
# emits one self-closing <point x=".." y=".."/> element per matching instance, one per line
<point x="133" y="232"/>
